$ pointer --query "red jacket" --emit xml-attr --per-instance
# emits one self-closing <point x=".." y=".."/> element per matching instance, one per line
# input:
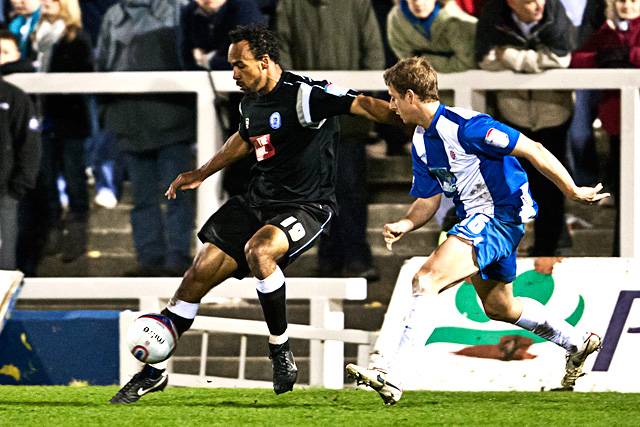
<point x="472" y="7"/>
<point x="604" y="39"/>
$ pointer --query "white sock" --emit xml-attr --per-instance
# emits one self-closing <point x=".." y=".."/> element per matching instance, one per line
<point x="188" y="310"/>
<point x="272" y="282"/>
<point x="536" y="318"/>
<point x="278" y="339"/>
<point x="418" y="325"/>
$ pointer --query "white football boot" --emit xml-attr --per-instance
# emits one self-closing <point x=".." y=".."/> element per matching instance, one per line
<point x="378" y="380"/>
<point x="575" y="361"/>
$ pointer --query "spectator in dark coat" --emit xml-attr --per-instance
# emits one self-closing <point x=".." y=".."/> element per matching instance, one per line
<point x="20" y="146"/>
<point x="206" y="25"/>
<point x="62" y="46"/>
<point x="155" y="133"/>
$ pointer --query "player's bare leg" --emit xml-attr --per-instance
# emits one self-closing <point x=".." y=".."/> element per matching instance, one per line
<point x="449" y="264"/>
<point x="500" y="304"/>
<point x="263" y="251"/>
<point x="210" y="267"/>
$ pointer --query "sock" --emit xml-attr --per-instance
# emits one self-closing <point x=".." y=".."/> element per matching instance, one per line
<point x="537" y="319"/>
<point x="272" y="295"/>
<point x="150" y="371"/>
<point x="278" y="339"/>
<point x="418" y="325"/>
<point x="181" y="314"/>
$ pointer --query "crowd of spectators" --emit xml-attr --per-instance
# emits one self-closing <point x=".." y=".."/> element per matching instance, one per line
<point x="149" y="139"/>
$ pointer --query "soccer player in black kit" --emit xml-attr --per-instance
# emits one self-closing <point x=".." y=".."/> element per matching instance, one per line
<point x="289" y="123"/>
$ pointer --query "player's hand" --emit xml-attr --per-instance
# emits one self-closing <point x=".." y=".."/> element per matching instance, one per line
<point x="185" y="181"/>
<point x="394" y="231"/>
<point x="590" y="195"/>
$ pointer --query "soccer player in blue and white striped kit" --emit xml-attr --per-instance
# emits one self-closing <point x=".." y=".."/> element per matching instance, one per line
<point x="471" y="158"/>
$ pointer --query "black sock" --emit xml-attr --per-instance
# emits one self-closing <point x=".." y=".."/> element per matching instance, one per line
<point x="274" y="308"/>
<point x="151" y="372"/>
<point x="182" y="324"/>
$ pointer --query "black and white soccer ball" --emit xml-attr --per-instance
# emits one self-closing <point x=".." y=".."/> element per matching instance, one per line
<point x="152" y="338"/>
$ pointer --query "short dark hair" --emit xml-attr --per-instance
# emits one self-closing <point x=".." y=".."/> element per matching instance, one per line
<point x="415" y="74"/>
<point x="6" y="34"/>
<point x="261" y="40"/>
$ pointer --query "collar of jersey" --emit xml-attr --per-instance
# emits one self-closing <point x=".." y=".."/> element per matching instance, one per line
<point x="277" y="86"/>
<point x="431" y="130"/>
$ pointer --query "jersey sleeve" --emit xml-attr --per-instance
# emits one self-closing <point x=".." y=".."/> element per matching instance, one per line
<point x="424" y="184"/>
<point x="242" y="129"/>
<point x="484" y="135"/>
<point x="319" y="100"/>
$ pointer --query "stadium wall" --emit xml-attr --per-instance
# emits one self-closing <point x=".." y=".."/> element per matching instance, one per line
<point x="60" y="347"/>
<point x="467" y="351"/>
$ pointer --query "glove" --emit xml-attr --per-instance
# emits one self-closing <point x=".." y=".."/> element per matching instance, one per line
<point x="614" y="57"/>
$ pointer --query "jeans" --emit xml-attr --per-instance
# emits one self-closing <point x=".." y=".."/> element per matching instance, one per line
<point x="64" y="156"/>
<point x="581" y="155"/>
<point x="8" y="232"/>
<point x="161" y="239"/>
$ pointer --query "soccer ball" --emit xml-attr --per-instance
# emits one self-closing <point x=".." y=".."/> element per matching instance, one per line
<point x="152" y="338"/>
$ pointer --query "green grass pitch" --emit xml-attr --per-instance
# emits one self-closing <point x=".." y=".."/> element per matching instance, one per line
<point x="87" y="406"/>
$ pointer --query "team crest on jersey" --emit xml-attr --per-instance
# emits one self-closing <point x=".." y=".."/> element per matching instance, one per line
<point x="452" y="154"/>
<point x="246" y="123"/>
<point x="275" y="121"/>
<point x="497" y="138"/>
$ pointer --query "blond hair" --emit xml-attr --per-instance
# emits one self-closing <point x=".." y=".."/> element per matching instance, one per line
<point x="71" y="16"/>
<point x="416" y="74"/>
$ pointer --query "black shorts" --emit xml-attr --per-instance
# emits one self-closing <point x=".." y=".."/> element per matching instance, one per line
<point x="231" y="227"/>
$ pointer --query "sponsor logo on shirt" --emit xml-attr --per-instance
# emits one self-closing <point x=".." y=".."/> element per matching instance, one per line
<point x="275" y="121"/>
<point x="496" y="138"/>
<point x="447" y="180"/>
<point x="335" y="90"/>
<point x="263" y="147"/>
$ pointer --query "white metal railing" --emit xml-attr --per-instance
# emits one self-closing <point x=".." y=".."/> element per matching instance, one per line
<point x="325" y="330"/>
<point x="469" y="88"/>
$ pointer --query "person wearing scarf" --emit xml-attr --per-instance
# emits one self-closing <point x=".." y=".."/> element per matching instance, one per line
<point x="437" y="30"/>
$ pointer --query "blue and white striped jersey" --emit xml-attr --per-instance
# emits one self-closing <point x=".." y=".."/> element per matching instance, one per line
<point x="465" y="155"/>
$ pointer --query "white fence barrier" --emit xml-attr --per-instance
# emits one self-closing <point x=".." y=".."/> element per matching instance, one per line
<point x="325" y="331"/>
<point x="467" y="351"/>
<point x="469" y="88"/>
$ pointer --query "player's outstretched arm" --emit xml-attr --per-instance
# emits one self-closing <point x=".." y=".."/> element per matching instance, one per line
<point x="374" y="109"/>
<point x="550" y="166"/>
<point x="420" y="212"/>
<point x="233" y="150"/>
